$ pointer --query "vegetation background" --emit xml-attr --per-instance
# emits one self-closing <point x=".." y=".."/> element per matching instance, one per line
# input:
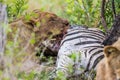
<point x="79" y="12"/>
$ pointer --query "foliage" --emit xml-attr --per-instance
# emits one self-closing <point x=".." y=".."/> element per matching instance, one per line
<point x="87" y="12"/>
<point x="109" y="11"/>
<point x="81" y="12"/>
<point x="16" y="8"/>
<point x="55" y="6"/>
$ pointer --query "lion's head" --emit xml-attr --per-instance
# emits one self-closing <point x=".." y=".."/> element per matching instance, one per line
<point x="42" y="28"/>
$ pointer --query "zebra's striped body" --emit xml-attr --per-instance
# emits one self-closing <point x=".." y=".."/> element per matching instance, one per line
<point x="86" y="44"/>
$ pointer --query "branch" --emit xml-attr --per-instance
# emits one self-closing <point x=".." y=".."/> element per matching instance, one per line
<point x="103" y="20"/>
<point x="113" y="9"/>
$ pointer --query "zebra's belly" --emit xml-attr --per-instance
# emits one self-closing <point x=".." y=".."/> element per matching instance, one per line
<point x="86" y="57"/>
<point x="81" y="48"/>
<point x="87" y="61"/>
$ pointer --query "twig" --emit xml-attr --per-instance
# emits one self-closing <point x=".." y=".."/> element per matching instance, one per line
<point x="86" y="11"/>
<point x="113" y="9"/>
<point x="98" y="25"/>
<point x="103" y="20"/>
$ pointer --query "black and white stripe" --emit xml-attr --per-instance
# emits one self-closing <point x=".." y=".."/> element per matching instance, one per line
<point x="86" y="44"/>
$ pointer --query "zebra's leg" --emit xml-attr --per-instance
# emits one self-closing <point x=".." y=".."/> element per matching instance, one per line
<point x="64" y="65"/>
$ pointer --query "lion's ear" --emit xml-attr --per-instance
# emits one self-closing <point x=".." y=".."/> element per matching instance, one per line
<point x="108" y="50"/>
<point x="31" y="23"/>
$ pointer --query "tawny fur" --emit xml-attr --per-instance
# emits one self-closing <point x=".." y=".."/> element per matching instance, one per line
<point x="40" y="26"/>
<point x="109" y="66"/>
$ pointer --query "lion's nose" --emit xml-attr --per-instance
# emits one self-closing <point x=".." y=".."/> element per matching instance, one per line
<point x="67" y="23"/>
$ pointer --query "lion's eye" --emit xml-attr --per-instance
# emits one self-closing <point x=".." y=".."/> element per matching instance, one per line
<point x="49" y="33"/>
<point x="31" y="24"/>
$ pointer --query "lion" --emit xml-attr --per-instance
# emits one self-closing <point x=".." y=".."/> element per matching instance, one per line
<point x="109" y="67"/>
<point x="41" y="28"/>
<point x="33" y="31"/>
